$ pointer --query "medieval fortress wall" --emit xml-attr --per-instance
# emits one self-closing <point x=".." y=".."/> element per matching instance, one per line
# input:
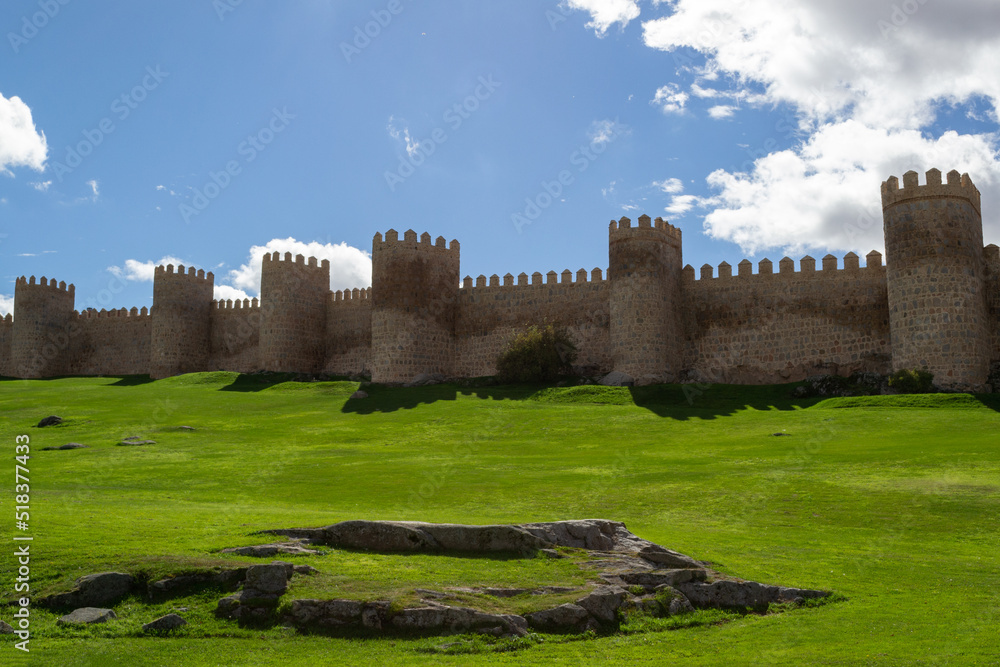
<point x="934" y="304"/>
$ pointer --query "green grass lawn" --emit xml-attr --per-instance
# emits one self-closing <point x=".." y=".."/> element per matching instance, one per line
<point x="892" y="502"/>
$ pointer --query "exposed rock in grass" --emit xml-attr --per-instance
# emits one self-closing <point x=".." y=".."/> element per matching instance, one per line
<point x="93" y="590"/>
<point x="135" y="442"/>
<point x="5" y="629"/>
<point x="262" y="590"/>
<point x="425" y="379"/>
<point x="87" y="615"/>
<point x="185" y="428"/>
<point x="270" y="550"/>
<point x="603" y="603"/>
<point x="653" y="578"/>
<point x="164" y="624"/>
<point x="565" y="617"/>
<point x="183" y="584"/>
<point x="740" y="594"/>
<point x="412" y="536"/>
<point x="359" y="395"/>
<point x="50" y="421"/>
<point x="66" y="447"/>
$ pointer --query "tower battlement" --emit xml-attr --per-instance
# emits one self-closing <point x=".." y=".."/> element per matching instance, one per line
<point x="299" y="260"/>
<point x="645" y="227"/>
<point x="411" y="241"/>
<point x="29" y="284"/>
<point x="831" y="267"/>
<point x="959" y="186"/>
<point x="167" y="272"/>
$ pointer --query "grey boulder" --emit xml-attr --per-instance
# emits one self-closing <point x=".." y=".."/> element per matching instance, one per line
<point x="87" y="615"/>
<point x="94" y="590"/>
<point x="164" y="624"/>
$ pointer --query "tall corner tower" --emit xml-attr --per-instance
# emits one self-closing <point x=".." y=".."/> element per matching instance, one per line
<point x="181" y="317"/>
<point x="645" y="274"/>
<point x="935" y="272"/>
<point x="293" y="296"/>
<point x="41" y="331"/>
<point x="414" y="301"/>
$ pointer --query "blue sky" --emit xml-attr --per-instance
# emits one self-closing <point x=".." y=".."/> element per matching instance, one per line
<point x="206" y="132"/>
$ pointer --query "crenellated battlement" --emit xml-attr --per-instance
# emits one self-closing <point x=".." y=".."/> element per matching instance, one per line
<point x="830" y="268"/>
<point x="93" y="313"/>
<point x="536" y="279"/>
<point x="958" y="186"/>
<point x="167" y="272"/>
<point x="410" y="240"/>
<point x="241" y="305"/>
<point x="645" y="228"/>
<point x="30" y="284"/>
<point x="300" y="261"/>
<point x="349" y="297"/>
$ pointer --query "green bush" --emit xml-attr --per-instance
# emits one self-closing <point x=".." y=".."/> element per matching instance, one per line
<point x="537" y="354"/>
<point x="908" y="381"/>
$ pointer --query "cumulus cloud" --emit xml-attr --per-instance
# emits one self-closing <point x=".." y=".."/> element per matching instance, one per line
<point x="825" y="193"/>
<point x="41" y="186"/>
<point x="866" y="81"/>
<point x="349" y="266"/>
<point x="21" y="145"/>
<point x="671" y="186"/>
<point x="6" y="305"/>
<point x="681" y="204"/>
<point x="226" y="292"/>
<point x="606" y="13"/>
<point x="135" y="270"/>
<point x="721" y="111"/>
<point x="670" y="99"/>
<point x="836" y="60"/>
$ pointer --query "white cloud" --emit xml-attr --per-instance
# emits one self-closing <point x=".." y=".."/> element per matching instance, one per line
<point x="94" y="186"/>
<point x="226" y="292"/>
<point x="681" y="204"/>
<point x="670" y="98"/>
<point x="137" y="271"/>
<point x="834" y="60"/>
<point x="671" y="186"/>
<point x="349" y="266"/>
<point x="402" y="134"/>
<point x="721" y="111"/>
<point x="606" y="13"/>
<point x="6" y="305"/>
<point x="21" y="145"/>
<point x="603" y="131"/>
<point x="825" y="193"/>
<point x="866" y="81"/>
<point x="41" y="186"/>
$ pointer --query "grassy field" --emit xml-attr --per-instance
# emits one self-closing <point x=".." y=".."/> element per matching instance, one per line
<point x="892" y="502"/>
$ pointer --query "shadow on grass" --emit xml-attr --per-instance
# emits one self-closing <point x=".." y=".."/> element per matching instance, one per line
<point x="132" y="381"/>
<point x="672" y="401"/>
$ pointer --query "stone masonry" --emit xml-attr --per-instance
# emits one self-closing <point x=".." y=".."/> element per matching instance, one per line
<point x="935" y="305"/>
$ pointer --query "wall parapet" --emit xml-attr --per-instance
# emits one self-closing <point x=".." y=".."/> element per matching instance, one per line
<point x="347" y="297"/>
<point x="93" y="313"/>
<point x="786" y="268"/>
<point x="230" y="304"/>
<point x="958" y="186"/>
<point x="566" y="277"/>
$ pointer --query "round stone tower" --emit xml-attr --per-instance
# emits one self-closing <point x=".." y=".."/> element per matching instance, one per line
<point x="42" y="329"/>
<point x="293" y="296"/>
<point x="182" y="307"/>
<point x="645" y="275"/>
<point x="935" y="275"/>
<point x="414" y="301"/>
